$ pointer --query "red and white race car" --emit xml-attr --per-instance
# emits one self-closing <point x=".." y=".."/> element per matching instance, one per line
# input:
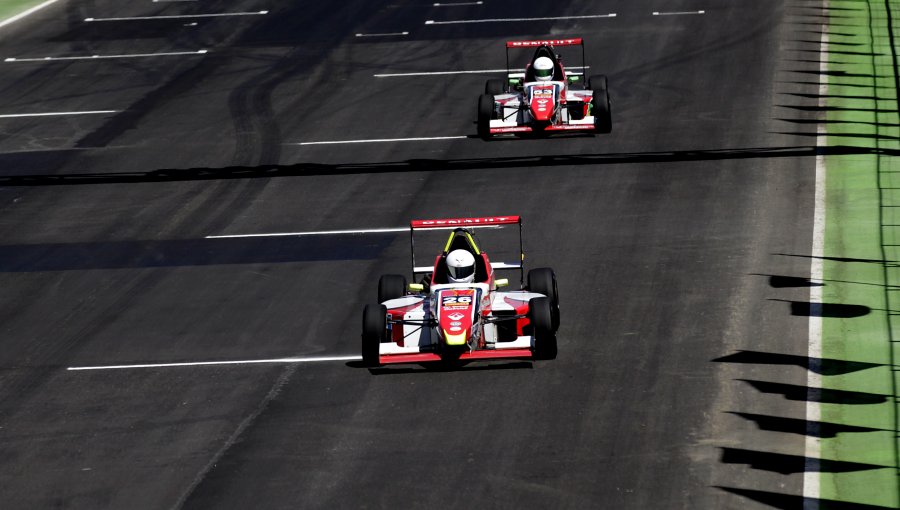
<point x="441" y="321"/>
<point x="545" y="98"/>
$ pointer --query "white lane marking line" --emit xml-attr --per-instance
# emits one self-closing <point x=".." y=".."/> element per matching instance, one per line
<point x="382" y="140"/>
<point x="211" y="363"/>
<point x="96" y="57"/>
<point x="457" y="4"/>
<point x="315" y="233"/>
<point x="181" y="16"/>
<point x="55" y="114"/>
<point x="338" y="232"/>
<point x="443" y="73"/>
<point x="503" y="20"/>
<point x="386" y="34"/>
<point x="813" y="446"/>
<point x="21" y="15"/>
<point x="657" y="13"/>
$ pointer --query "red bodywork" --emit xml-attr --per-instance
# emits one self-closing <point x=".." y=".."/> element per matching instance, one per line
<point x="456" y="307"/>
<point x="544" y="101"/>
<point x="456" y="312"/>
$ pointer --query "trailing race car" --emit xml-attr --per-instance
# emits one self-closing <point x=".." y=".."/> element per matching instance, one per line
<point x="545" y="98"/>
<point x="457" y="314"/>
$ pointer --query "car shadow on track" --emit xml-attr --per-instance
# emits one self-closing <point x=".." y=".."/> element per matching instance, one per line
<point x="791" y="501"/>
<point x="823" y="366"/>
<point x="442" y="367"/>
<point x="19" y="160"/>
<point x="790" y="464"/>
<point x="799" y="426"/>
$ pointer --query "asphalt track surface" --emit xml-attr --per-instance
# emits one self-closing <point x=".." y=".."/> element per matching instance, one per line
<point x="678" y="241"/>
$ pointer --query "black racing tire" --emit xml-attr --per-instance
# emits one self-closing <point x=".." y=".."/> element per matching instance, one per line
<point x="542" y="327"/>
<point x="373" y="333"/>
<point x="542" y="280"/>
<point x="597" y="82"/>
<point x="391" y="286"/>
<point x="485" y="113"/>
<point x="495" y="87"/>
<point x="600" y="108"/>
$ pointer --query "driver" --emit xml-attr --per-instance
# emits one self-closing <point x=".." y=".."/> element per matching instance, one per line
<point x="543" y="69"/>
<point x="460" y="266"/>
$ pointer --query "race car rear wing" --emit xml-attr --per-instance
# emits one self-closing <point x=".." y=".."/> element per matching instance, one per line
<point x="572" y="41"/>
<point x="469" y="223"/>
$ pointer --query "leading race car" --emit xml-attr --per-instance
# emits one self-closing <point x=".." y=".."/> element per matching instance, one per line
<point x="545" y="98"/>
<point x="457" y="313"/>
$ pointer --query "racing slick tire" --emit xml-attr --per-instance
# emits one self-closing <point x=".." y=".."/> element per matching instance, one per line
<point x="542" y="280"/>
<point x="485" y="113"/>
<point x="391" y="286"/>
<point x="495" y="87"/>
<point x="542" y="326"/>
<point x="600" y="104"/>
<point x="373" y="333"/>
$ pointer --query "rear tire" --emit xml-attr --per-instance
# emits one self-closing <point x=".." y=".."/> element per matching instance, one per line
<point x="373" y="333"/>
<point x="485" y="113"/>
<point x="391" y="286"/>
<point x="542" y="327"/>
<point x="600" y="108"/>
<point x="542" y="280"/>
<point x="495" y="87"/>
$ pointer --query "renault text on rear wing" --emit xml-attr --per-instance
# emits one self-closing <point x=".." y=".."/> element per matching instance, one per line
<point x="463" y="222"/>
<point x="575" y="41"/>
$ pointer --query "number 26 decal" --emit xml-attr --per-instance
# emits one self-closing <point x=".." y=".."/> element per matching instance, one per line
<point x="456" y="300"/>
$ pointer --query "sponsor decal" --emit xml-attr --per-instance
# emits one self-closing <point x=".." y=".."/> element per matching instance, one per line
<point x="551" y="42"/>
<point x="454" y="324"/>
<point x="456" y="300"/>
<point x="455" y="316"/>
<point x="455" y="328"/>
<point x="452" y="222"/>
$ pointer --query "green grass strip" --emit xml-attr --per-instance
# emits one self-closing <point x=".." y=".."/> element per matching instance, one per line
<point x="9" y="8"/>
<point x="861" y="324"/>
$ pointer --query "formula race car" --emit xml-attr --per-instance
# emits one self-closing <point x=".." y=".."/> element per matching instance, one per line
<point x="457" y="314"/>
<point x="545" y="98"/>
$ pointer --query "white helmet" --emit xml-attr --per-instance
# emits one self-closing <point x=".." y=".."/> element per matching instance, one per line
<point x="543" y="68"/>
<point x="460" y="266"/>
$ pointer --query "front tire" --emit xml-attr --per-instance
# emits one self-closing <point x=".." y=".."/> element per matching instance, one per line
<point x="600" y="108"/>
<point x="542" y="327"/>
<point x="485" y="113"/>
<point x="542" y="280"/>
<point x="374" y="332"/>
<point x="391" y="286"/>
